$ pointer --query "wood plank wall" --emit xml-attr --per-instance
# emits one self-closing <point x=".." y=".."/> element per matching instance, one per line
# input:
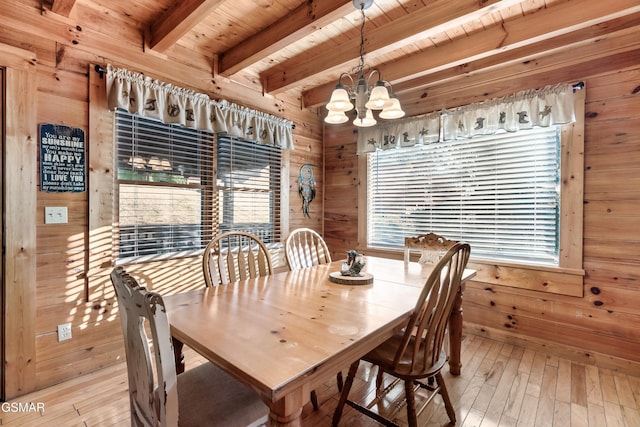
<point x="603" y="326"/>
<point x="64" y="50"/>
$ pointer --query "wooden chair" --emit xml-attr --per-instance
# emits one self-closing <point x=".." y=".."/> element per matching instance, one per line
<point x="204" y="395"/>
<point x="416" y="352"/>
<point x="235" y="255"/>
<point x="431" y="246"/>
<point x="304" y="248"/>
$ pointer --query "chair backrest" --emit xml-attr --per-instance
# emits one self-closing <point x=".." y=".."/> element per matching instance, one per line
<point x="305" y="248"/>
<point x="235" y="255"/>
<point x="423" y="337"/>
<point x="153" y="392"/>
<point x="431" y="246"/>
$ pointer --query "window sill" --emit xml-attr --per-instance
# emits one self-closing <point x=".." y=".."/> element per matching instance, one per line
<point x="548" y="279"/>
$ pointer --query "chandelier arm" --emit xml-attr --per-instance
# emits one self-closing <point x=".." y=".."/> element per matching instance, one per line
<point x="376" y="71"/>
<point x="350" y="87"/>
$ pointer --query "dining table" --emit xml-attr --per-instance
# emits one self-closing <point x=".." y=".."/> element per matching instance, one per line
<point x="288" y="333"/>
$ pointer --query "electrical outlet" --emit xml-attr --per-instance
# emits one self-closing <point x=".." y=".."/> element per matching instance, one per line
<point x="64" y="332"/>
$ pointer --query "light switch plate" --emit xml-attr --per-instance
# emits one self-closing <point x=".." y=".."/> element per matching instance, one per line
<point x="55" y="215"/>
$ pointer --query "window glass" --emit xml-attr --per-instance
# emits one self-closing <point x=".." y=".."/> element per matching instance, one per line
<point x="499" y="193"/>
<point x="248" y="182"/>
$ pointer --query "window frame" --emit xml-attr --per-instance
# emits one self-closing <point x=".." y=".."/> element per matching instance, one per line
<point x="567" y="277"/>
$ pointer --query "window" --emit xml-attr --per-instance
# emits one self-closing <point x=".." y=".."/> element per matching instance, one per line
<point x="500" y="193"/>
<point x="164" y="187"/>
<point x="169" y="201"/>
<point x="248" y="182"/>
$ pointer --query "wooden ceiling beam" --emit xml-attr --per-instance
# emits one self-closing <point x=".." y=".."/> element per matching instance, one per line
<point x="301" y="22"/>
<point x="422" y="23"/>
<point x="178" y="20"/>
<point x="536" y="30"/>
<point x="567" y="67"/>
<point x="586" y="40"/>
<point x="62" y="7"/>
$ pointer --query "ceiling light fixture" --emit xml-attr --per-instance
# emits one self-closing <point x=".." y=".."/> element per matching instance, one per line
<point x="367" y="96"/>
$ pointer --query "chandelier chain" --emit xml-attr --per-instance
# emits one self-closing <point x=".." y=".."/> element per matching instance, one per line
<point x="361" y="67"/>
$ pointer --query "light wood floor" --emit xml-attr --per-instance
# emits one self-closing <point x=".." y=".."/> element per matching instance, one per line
<point x="500" y="385"/>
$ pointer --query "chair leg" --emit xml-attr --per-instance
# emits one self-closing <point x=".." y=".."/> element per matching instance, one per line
<point x="339" y="381"/>
<point x="410" y="397"/>
<point x="379" y="380"/>
<point x="337" y="414"/>
<point x="445" y="397"/>
<point x="314" y="400"/>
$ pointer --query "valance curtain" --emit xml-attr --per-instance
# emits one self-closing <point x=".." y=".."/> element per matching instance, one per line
<point x="544" y="107"/>
<point x="142" y="95"/>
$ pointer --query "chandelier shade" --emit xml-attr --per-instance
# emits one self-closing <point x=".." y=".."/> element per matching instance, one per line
<point x="365" y="121"/>
<point x="336" y="117"/>
<point x="362" y="91"/>
<point x="379" y="97"/>
<point x="393" y="110"/>
<point x="339" y="100"/>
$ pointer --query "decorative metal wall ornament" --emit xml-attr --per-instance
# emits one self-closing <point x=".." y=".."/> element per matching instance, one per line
<point x="306" y="187"/>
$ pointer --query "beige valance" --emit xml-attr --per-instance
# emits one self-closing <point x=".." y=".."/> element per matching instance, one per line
<point x="170" y="104"/>
<point x="542" y="107"/>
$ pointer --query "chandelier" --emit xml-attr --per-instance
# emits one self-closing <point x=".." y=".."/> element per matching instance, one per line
<point x="361" y="90"/>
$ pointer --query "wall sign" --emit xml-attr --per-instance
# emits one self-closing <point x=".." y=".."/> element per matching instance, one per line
<point x="62" y="159"/>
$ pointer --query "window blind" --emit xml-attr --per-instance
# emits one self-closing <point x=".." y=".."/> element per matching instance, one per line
<point x="248" y="188"/>
<point x="164" y="187"/>
<point x="500" y="194"/>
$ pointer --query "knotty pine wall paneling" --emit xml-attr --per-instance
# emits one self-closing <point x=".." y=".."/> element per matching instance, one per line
<point x="64" y="277"/>
<point x="19" y="217"/>
<point x="602" y="326"/>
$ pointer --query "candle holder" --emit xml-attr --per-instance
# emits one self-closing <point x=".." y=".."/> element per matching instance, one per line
<point x="351" y="271"/>
<point x="353" y="265"/>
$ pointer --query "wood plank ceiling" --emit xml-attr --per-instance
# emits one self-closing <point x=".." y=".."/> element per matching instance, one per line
<point x="425" y="48"/>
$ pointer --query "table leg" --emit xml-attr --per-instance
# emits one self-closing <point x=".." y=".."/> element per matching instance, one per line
<point x="287" y="412"/>
<point x="455" y="335"/>
<point x="178" y="356"/>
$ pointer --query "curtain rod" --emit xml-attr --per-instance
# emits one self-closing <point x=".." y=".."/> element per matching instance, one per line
<point x="101" y="70"/>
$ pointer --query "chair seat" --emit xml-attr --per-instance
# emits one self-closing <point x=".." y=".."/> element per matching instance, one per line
<point x="208" y="396"/>
<point x="384" y="354"/>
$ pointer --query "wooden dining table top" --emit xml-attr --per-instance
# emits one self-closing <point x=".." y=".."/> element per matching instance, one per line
<point x="287" y="333"/>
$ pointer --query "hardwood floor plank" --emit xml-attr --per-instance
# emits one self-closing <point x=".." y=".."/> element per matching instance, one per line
<point x="527" y="416"/>
<point x="613" y="414"/>
<point x="526" y="362"/>
<point x="594" y="390"/>
<point x="516" y="395"/>
<point x="536" y="374"/>
<point x="563" y="387"/>
<point x="501" y="395"/>
<point x="578" y="385"/>
<point x="596" y="415"/>
<point x="546" y="402"/>
<point x="631" y="416"/>
<point x="624" y="391"/>
<point x="562" y="414"/>
<point x="580" y="415"/>
<point x="609" y="392"/>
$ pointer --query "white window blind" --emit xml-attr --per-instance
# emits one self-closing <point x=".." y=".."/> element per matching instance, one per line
<point x="248" y="184"/>
<point x="171" y="198"/>
<point x="500" y="194"/>
<point x="164" y="187"/>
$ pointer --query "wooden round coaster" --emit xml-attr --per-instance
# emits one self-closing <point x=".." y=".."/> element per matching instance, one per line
<point x="363" y="279"/>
